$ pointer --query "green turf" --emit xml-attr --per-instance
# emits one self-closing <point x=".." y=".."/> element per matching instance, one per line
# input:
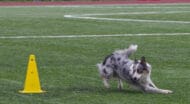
<point x="67" y="65"/>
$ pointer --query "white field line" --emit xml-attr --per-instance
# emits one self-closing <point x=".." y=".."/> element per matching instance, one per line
<point x="165" y="5"/>
<point x="89" y="17"/>
<point x="92" y="36"/>
<point x="122" y="6"/>
<point x="132" y="20"/>
<point x="10" y="81"/>
<point x="133" y="13"/>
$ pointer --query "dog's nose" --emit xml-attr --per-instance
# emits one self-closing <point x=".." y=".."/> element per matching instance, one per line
<point x="135" y="79"/>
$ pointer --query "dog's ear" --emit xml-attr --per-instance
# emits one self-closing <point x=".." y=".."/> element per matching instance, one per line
<point x="136" y="61"/>
<point x="143" y="62"/>
<point x="143" y="59"/>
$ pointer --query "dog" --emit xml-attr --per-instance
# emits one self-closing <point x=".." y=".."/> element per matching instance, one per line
<point x="135" y="72"/>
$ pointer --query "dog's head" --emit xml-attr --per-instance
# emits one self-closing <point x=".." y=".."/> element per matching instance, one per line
<point x="140" y="69"/>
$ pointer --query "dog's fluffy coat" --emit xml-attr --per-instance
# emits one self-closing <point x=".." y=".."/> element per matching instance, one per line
<point x="135" y="72"/>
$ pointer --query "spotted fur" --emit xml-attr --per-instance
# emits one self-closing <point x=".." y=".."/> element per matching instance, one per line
<point x="135" y="72"/>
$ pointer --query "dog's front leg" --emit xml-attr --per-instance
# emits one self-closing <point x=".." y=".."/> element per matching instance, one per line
<point x="156" y="90"/>
<point x="151" y="84"/>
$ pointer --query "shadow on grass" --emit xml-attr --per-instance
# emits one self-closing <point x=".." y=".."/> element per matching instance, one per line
<point x="88" y="90"/>
<point x="94" y="89"/>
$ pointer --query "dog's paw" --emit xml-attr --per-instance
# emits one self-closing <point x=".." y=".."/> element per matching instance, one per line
<point x="107" y="86"/>
<point x="167" y="91"/>
<point x="120" y="87"/>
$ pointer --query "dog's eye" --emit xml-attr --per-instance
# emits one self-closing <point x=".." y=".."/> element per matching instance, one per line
<point x="139" y="71"/>
<point x="134" y="71"/>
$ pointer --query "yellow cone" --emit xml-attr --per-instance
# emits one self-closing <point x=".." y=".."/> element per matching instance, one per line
<point x="32" y="82"/>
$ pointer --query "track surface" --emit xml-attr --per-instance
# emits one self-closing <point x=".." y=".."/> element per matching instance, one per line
<point x="91" y="2"/>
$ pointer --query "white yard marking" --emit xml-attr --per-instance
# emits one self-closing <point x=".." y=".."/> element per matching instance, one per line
<point x="91" y="17"/>
<point x="136" y="6"/>
<point x="92" y="36"/>
<point x="129" y="20"/>
<point x="133" y="13"/>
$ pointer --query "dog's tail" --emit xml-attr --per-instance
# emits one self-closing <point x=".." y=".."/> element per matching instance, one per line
<point x="132" y="48"/>
<point x="100" y="69"/>
<point x="99" y="66"/>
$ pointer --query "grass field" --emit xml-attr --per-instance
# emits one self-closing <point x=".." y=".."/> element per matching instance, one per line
<point x="67" y="65"/>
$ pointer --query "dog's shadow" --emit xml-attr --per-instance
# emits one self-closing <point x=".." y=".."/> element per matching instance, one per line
<point x="102" y="90"/>
<point x="77" y="90"/>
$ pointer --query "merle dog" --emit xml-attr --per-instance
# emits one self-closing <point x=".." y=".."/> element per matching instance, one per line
<point x="135" y="72"/>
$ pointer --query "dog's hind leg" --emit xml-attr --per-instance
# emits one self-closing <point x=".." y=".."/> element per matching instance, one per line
<point x="106" y="82"/>
<point x="120" y="84"/>
<point x="105" y="74"/>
